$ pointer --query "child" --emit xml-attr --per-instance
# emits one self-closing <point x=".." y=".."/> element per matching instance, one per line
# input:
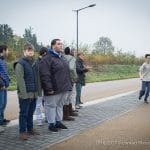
<point x="26" y="76"/>
<point x="145" y="77"/>
<point x="38" y="112"/>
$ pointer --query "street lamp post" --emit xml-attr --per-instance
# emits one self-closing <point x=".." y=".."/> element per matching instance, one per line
<point x="77" y="12"/>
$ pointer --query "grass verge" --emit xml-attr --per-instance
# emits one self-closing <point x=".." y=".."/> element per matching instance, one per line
<point x="97" y="74"/>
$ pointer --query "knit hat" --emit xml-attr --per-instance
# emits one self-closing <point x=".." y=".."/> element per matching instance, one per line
<point x="43" y="51"/>
<point x="67" y="50"/>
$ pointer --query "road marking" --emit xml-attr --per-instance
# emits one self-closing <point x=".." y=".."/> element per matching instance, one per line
<point x="101" y="100"/>
<point x="93" y="102"/>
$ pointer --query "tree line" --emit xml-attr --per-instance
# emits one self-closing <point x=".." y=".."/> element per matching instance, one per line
<point x="101" y="52"/>
<point x="14" y="42"/>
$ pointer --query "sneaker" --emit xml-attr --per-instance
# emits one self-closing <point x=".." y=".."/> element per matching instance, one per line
<point x="33" y="132"/>
<point x="60" y="126"/>
<point x="23" y="136"/>
<point x="145" y="101"/>
<point x="52" y="128"/>
<point x="78" y="107"/>
<point x="39" y="123"/>
<point x="140" y="97"/>
<point x="7" y="121"/>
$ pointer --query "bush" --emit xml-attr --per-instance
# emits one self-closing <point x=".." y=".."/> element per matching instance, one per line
<point x="12" y="77"/>
<point x="123" y="59"/>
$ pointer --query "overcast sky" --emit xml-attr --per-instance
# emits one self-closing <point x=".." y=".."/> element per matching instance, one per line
<point x="125" y="22"/>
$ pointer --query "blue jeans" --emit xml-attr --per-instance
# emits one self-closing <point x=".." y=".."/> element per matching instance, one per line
<point x="78" y="93"/>
<point x="27" y="108"/>
<point x="145" y="89"/>
<point x="3" y="103"/>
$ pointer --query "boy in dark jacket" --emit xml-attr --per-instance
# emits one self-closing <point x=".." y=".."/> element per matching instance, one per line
<point x="26" y="76"/>
<point x="4" y="83"/>
<point x="56" y="82"/>
<point x="38" y="111"/>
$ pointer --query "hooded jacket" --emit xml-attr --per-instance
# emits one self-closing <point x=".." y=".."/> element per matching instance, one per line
<point x="54" y="73"/>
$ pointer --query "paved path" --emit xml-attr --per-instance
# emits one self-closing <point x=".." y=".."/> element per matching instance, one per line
<point x="90" y="92"/>
<point x="90" y="116"/>
<point x="129" y="131"/>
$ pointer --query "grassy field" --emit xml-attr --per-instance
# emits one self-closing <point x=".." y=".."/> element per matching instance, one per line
<point x="97" y="74"/>
<point x="112" y="72"/>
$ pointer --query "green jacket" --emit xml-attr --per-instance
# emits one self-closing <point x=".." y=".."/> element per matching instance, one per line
<point x="22" y="93"/>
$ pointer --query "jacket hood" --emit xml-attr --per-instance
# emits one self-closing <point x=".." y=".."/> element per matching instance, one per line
<point x="51" y="51"/>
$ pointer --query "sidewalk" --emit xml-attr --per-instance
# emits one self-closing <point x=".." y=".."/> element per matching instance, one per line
<point x="90" y="117"/>
<point x="130" y="131"/>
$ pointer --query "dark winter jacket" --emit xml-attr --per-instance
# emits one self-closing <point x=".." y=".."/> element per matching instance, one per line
<point x="4" y="77"/>
<point x="81" y="70"/>
<point x="54" y="74"/>
<point x="36" y="65"/>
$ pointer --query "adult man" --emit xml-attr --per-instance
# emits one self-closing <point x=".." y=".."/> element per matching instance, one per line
<point x="56" y="82"/>
<point x="81" y="70"/>
<point x="69" y="107"/>
<point x="4" y="83"/>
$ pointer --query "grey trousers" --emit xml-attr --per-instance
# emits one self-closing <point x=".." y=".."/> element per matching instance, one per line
<point x="71" y="97"/>
<point x="54" y="107"/>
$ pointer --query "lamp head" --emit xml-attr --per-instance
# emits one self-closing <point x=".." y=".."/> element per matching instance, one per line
<point x="92" y="5"/>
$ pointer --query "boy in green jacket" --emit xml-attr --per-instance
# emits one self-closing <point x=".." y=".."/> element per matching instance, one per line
<point x="27" y="86"/>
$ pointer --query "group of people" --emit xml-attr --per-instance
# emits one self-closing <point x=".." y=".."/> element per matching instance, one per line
<point x="52" y="83"/>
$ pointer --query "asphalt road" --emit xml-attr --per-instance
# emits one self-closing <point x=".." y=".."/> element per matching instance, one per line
<point x="90" y="92"/>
